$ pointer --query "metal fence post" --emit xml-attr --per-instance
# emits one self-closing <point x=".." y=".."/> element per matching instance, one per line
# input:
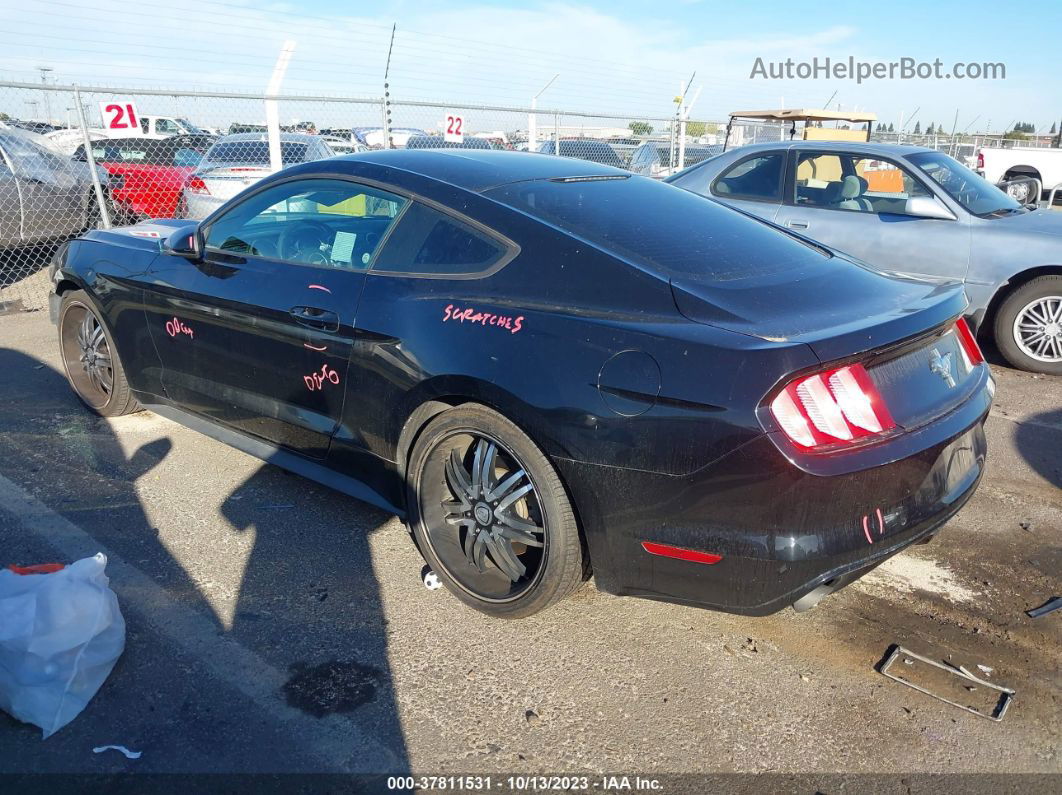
<point x="105" y="212"/>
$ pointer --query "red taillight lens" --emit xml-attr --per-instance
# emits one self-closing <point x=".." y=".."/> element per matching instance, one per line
<point x="980" y="160"/>
<point x="196" y="185"/>
<point x="831" y="407"/>
<point x="969" y="344"/>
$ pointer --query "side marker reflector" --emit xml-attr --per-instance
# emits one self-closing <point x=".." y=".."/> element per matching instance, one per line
<point x="668" y="551"/>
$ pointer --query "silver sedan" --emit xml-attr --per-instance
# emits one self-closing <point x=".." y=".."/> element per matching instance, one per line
<point x="236" y="162"/>
<point x="912" y="210"/>
<point x="43" y="195"/>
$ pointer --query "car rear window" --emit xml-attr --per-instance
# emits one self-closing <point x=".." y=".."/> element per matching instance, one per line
<point x="660" y="226"/>
<point x="256" y="152"/>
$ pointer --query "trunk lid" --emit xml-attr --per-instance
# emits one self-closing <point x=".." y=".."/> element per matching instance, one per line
<point x="225" y="182"/>
<point x="836" y="307"/>
<point x="900" y="328"/>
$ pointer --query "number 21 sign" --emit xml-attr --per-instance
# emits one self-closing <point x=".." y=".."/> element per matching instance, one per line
<point x="120" y="115"/>
<point x="454" y="130"/>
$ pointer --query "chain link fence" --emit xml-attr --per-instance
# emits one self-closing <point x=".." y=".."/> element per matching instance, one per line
<point x="75" y="159"/>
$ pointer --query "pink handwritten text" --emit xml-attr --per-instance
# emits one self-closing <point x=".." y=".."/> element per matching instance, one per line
<point x="316" y="380"/>
<point x="175" y="327"/>
<point x="470" y="315"/>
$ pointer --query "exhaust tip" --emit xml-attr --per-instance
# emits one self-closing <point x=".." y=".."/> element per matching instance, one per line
<point x="814" y="596"/>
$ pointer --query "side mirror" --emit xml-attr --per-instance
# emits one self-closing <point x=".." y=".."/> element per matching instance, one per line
<point x="185" y="243"/>
<point x="928" y="207"/>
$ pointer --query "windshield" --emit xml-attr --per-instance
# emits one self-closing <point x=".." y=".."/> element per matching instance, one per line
<point x="191" y="127"/>
<point x="978" y="196"/>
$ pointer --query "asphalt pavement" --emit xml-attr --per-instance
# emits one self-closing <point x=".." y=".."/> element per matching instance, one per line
<point x="276" y="626"/>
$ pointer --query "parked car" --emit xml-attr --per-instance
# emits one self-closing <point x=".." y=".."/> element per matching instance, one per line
<point x="164" y="127"/>
<point x="548" y="367"/>
<point x="653" y="159"/>
<point x="342" y="145"/>
<point x="235" y="162"/>
<point x="915" y="210"/>
<point x="43" y="195"/>
<point x="1002" y="164"/>
<point x="148" y="175"/>
<point x="584" y="149"/>
<point x="439" y="142"/>
<point x="373" y="137"/>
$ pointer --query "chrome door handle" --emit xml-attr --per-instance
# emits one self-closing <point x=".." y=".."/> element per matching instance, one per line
<point x="797" y="224"/>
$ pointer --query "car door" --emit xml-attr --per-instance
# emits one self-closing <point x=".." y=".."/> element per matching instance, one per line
<point x="257" y="335"/>
<point x="752" y="183"/>
<point x="857" y="203"/>
<point x="432" y="260"/>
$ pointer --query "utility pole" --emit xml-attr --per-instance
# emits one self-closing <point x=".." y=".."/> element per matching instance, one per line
<point x="44" y="70"/>
<point x="532" y="117"/>
<point x="388" y="142"/>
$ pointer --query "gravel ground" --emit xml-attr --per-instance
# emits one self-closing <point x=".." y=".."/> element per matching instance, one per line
<point x="275" y="626"/>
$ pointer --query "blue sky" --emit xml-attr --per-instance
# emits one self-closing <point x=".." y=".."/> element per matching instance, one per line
<point x="619" y="56"/>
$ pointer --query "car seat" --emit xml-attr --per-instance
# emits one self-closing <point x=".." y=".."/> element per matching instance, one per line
<point x="844" y="194"/>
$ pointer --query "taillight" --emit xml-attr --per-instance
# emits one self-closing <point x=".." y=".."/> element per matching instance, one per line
<point x="980" y="159"/>
<point x="196" y="185"/>
<point x="832" y="407"/>
<point x="969" y="345"/>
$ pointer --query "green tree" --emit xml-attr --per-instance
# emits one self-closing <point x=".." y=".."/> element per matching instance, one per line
<point x="694" y="128"/>
<point x="931" y="129"/>
<point x="890" y="127"/>
<point x="1054" y="128"/>
<point x="918" y="128"/>
<point x="642" y="128"/>
<point x="1016" y="135"/>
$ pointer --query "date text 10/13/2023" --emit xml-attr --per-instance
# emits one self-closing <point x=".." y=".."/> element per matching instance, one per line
<point x="526" y="783"/>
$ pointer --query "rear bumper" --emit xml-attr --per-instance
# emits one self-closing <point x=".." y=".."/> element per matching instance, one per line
<point x="781" y="531"/>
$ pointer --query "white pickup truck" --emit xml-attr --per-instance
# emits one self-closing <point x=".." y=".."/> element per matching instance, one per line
<point x="997" y="165"/>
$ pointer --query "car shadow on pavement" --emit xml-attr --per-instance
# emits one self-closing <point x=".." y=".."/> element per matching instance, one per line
<point x="1037" y="439"/>
<point x="308" y="603"/>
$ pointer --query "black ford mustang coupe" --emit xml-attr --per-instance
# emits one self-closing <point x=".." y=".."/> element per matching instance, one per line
<point x="549" y="367"/>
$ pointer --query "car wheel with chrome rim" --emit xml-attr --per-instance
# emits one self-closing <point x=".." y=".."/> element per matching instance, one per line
<point x="1029" y="326"/>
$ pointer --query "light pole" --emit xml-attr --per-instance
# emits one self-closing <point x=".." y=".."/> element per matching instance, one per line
<point x="532" y="117"/>
<point x="44" y="70"/>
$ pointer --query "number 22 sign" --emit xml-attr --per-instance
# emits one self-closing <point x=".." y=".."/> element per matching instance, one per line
<point x="454" y="131"/>
<point x="119" y="115"/>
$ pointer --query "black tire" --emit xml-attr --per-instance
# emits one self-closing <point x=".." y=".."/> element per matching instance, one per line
<point x="1021" y="352"/>
<point x="98" y="381"/>
<point x="552" y="569"/>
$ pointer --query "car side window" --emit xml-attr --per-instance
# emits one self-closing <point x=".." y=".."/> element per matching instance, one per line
<point x="322" y="222"/>
<point x="854" y="183"/>
<point x="888" y="185"/>
<point x="427" y="241"/>
<point x="758" y="178"/>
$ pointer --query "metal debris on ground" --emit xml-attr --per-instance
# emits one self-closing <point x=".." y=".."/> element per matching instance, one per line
<point x="1049" y="606"/>
<point x="1005" y="697"/>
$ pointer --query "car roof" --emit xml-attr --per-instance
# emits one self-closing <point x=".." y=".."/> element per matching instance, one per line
<point x="872" y="147"/>
<point x="479" y="169"/>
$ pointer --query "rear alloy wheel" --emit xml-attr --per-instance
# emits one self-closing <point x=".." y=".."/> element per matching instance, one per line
<point x="491" y="516"/>
<point x="1029" y="326"/>
<point x="90" y="359"/>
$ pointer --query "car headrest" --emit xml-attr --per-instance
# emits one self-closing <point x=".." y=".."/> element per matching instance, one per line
<point x="863" y="185"/>
<point x="850" y="187"/>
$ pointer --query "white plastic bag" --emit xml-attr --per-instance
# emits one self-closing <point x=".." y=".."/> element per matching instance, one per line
<point x="60" y="636"/>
